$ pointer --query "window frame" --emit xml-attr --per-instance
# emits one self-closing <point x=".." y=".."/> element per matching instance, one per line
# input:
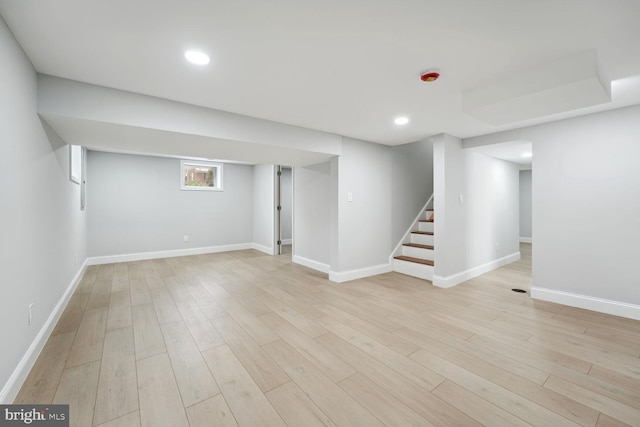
<point x="184" y="163"/>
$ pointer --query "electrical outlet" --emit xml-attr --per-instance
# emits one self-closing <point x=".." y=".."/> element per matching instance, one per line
<point x="497" y="246"/>
<point x="30" y="313"/>
<point x="186" y="238"/>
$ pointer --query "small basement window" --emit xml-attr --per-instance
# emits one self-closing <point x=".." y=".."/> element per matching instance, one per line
<point x="200" y="176"/>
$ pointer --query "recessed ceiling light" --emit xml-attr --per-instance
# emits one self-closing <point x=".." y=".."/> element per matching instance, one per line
<point x="197" y="57"/>
<point x="401" y="121"/>
<point x="527" y="154"/>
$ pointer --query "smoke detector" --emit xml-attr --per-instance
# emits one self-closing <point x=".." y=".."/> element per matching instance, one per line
<point x="430" y="76"/>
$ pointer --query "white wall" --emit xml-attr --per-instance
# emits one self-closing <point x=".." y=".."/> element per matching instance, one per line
<point x="286" y="201"/>
<point x="312" y="219"/>
<point x="586" y="209"/>
<point x="411" y="184"/>
<point x="43" y="230"/>
<point x="525" y="206"/>
<point x="135" y="205"/>
<point x="364" y="224"/>
<point x="264" y="208"/>
<point x="480" y="232"/>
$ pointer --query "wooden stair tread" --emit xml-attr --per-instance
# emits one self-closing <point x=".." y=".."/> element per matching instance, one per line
<point x="425" y="220"/>
<point x="416" y="260"/>
<point x="427" y="233"/>
<point x="429" y="210"/>
<point x="417" y="245"/>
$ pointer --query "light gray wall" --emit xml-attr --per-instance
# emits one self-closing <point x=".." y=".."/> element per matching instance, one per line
<point x="388" y="185"/>
<point x="484" y="227"/>
<point x="286" y="201"/>
<point x="264" y="207"/>
<point x="589" y="165"/>
<point x="364" y="224"/>
<point x="312" y="219"/>
<point x="334" y="211"/>
<point x="492" y="204"/>
<point x="411" y="184"/>
<point x="525" y="204"/>
<point x="450" y="226"/>
<point x="586" y="203"/>
<point x="135" y="205"/>
<point x="43" y="230"/>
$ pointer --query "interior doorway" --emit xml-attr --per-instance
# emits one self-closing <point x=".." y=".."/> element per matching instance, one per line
<point x="526" y="216"/>
<point x="284" y="210"/>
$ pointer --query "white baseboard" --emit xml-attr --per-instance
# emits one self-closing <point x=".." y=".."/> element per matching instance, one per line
<point x="601" y="305"/>
<point x="315" y="265"/>
<point x="287" y="241"/>
<point x="455" y="279"/>
<point x="345" y="276"/>
<point x="262" y="248"/>
<point x="109" y="259"/>
<point x="19" y="375"/>
<point x="526" y="240"/>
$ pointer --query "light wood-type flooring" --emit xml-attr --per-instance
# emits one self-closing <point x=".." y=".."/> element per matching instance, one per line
<point x="243" y="338"/>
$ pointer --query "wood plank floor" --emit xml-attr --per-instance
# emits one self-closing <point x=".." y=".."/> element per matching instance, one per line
<point x="243" y="338"/>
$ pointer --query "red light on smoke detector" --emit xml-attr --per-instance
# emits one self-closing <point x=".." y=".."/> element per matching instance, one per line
<point x="430" y="76"/>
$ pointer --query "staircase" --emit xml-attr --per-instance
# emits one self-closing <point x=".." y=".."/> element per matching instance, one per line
<point x="415" y="255"/>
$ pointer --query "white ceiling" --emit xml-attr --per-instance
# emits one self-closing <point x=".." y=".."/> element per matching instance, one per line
<point x="342" y="66"/>
<point x="510" y="151"/>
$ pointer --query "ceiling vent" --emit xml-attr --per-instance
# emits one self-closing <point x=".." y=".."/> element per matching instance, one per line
<point x="567" y="84"/>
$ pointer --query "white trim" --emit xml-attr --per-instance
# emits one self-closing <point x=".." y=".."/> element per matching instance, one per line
<point x="75" y="163"/>
<point x="406" y="236"/>
<point x="109" y="259"/>
<point x="19" y="375"/>
<point x="287" y="241"/>
<point x="315" y="265"/>
<point x="345" y="276"/>
<point x="262" y="248"/>
<point x="455" y="279"/>
<point x="525" y="240"/>
<point x="601" y="305"/>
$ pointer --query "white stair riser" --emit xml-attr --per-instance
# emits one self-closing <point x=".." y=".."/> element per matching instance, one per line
<point x="425" y="226"/>
<point x="422" y="239"/>
<point x="418" y="252"/>
<point x="420" y="271"/>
